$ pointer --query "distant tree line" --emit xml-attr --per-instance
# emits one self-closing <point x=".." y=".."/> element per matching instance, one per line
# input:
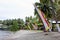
<point x="13" y="24"/>
<point x="30" y="23"/>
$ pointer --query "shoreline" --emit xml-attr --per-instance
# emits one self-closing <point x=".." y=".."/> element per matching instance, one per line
<point x="30" y="34"/>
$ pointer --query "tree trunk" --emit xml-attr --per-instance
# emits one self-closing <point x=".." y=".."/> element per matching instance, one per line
<point x="35" y="27"/>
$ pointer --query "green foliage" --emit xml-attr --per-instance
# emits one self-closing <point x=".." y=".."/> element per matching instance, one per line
<point x="7" y="22"/>
<point x="28" y="22"/>
<point x="45" y="6"/>
<point x="32" y="22"/>
<point x="21" y="23"/>
<point x="1" y="22"/>
<point x="59" y="2"/>
<point x="14" y="27"/>
<point x="13" y="24"/>
<point x="58" y="15"/>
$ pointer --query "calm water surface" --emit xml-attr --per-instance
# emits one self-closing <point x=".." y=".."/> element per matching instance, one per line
<point x="4" y="34"/>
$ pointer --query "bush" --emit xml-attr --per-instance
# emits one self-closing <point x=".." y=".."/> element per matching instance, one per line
<point x="14" y="27"/>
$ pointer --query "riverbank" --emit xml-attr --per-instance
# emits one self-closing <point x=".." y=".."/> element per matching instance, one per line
<point x="22" y="33"/>
<point x="33" y="35"/>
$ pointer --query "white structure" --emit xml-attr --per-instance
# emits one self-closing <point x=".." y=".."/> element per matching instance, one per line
<point x="57" y="25"/>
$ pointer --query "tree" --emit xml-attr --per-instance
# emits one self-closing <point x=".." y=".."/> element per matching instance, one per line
<point x="20" y="23"/>
<point x="58" y="15"/>
<point x="28" y="23"/>
<point x="1" y="22"/>
<point x="14" y="27"/>
<point x="58" y="10"/>
<point x="31" y="22"/>
<point x="45" y="7"/>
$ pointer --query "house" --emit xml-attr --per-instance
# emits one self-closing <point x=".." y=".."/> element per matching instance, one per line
<point x="54" y="25"/>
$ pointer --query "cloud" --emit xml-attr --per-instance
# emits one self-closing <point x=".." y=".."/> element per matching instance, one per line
<point x="16" y="8"/>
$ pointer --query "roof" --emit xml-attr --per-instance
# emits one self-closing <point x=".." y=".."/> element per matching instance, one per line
<point x="54" y="21"/>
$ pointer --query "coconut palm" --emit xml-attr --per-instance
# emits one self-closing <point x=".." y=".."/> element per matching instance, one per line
<point x="31" y="23"/>
<point x="20" y="23"/>
<point x="28" y="22"/>
<point x="46" y="7"/>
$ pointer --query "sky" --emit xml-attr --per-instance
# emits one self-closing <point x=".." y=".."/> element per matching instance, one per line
<point x="11" y="9"/>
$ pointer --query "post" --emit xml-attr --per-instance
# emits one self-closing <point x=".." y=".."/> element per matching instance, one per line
<point x="58" y="27"/>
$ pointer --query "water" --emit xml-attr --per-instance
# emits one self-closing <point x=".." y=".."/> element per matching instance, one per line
<point x="4" y="34"/>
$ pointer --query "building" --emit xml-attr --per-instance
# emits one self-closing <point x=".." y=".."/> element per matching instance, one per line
<point x="55" y="27"/>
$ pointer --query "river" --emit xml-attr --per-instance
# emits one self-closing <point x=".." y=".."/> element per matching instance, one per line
<point x="4" y="34"/>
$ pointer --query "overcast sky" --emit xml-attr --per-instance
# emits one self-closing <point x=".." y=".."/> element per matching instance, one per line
<point x="10" y="9"/>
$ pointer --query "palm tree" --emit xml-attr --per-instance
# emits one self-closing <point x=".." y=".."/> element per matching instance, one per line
<point x="31" y="23"/>
<point x="28" y="22"/>
<point x="45" y="6"/>
<point x="20" y="23"/>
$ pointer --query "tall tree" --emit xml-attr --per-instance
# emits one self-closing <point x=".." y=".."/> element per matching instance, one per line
<point x="44" y="6"/>
<point x="20" y="23"/>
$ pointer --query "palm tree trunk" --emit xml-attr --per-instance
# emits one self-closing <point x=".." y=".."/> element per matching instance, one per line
<point x="29" y="27"/>
<point x="35" y="27"/>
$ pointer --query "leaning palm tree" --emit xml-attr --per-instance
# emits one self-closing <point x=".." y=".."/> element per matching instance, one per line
<point x="45" y="7"/>
<point x="31" y="23"/>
